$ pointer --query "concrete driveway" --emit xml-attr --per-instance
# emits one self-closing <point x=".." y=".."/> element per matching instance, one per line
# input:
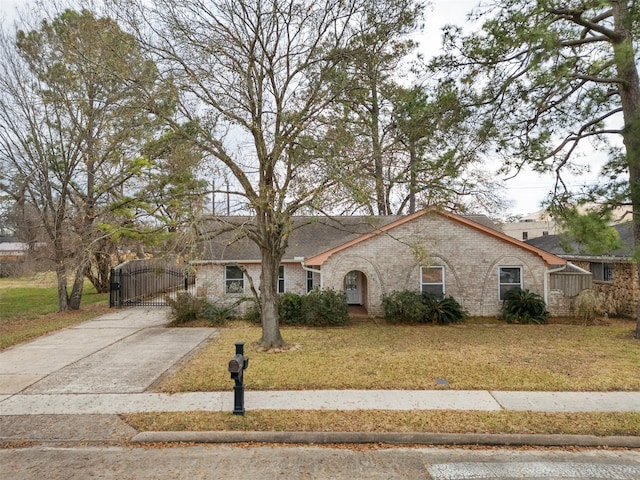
<point x="124" y="351"/>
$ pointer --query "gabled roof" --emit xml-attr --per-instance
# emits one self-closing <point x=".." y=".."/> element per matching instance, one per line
<point x="555" y="244"/>
<point x="548" y="258"/>
<point x="317" y="238"/>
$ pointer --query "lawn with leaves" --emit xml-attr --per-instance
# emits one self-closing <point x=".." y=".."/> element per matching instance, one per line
<point x="470" y="356"/>
<point x="433" y="421"/>
<point x="480" y="354"/>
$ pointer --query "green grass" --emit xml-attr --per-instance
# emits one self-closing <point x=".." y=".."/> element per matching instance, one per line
<point x="29" y="308"/>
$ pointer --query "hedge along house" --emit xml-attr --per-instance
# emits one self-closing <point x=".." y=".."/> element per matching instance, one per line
<point x="367" y="257"/>
<point x="615" y="273"/>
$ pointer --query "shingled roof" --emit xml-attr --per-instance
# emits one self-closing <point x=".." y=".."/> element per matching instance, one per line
<point x="225" y="240"/>
<point x="555" y="244"/>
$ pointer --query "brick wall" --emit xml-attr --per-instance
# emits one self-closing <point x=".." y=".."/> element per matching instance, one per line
<point x="471" y="259"/>
<point x="624" y="287"/>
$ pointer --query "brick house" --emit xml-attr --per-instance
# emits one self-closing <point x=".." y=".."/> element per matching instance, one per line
<point x="615" y="274"/>
<point x="465" y="257"/>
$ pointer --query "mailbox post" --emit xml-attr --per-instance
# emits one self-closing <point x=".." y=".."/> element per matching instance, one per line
<point x="237" y="366"/>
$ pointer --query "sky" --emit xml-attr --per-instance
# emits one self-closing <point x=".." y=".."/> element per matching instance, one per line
<point x="527" y="190"/>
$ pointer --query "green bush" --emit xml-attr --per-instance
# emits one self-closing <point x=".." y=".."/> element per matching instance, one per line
<point x="414" y="307"/>
<point x="326" y="308"/>
<point x="290" y="309"/>
<point x="443" y="310"/>
<point x="217" y="314"/>
<point x="523" y="306"/>
<point x="404" y="307"/>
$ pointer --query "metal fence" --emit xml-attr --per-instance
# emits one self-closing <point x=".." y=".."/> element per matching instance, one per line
<point x="146" y="283"/>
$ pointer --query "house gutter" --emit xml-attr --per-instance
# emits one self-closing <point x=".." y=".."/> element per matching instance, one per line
<point x="309" y="269"/>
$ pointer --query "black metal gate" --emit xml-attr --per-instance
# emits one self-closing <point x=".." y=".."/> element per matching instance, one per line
<point x="141" y="283"/>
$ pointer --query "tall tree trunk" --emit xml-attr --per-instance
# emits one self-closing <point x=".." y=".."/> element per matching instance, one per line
<point x="629" y="88"/>
<point x="271" y="336"/>
<point x="61" y="278"/>
<point x="78" y="286"/>
<point x="412" y="176"/>
<point x="376" y="150"/>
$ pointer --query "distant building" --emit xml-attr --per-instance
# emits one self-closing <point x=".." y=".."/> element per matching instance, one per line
<point x="534" y="225"/>
<point x="541" y="224"/>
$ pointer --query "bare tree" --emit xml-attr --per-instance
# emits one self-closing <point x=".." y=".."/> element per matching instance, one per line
<point x="257" y="75"/>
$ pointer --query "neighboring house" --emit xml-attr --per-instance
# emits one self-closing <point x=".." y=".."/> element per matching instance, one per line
<point x="366" y="257"/>
<point x="614" y="274"/>
<point x="12" y="250"/>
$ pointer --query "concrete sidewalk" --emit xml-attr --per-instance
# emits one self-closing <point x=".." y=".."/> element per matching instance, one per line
<point x="120" y="403"/>
<point x="106" y="366"/>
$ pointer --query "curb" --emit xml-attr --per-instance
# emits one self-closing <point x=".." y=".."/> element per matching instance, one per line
<point x="417" y="438"/>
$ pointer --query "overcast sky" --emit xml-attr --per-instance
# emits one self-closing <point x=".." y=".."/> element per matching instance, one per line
<point x="527" y="190"/>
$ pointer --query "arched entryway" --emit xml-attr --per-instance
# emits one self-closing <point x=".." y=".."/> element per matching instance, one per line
<point x="355" y="287"/>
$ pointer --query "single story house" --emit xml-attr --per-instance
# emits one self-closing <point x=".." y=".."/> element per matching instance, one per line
<point x="435" y="251"/>
<point x="615" y="274"/>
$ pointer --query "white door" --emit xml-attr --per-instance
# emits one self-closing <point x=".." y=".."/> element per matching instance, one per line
<point x="353" y="288"/>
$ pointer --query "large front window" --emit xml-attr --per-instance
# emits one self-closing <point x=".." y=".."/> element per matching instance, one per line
<point x="233" y="279"/>
<point x="432" y="280"/>
<point x="510" y="278"/>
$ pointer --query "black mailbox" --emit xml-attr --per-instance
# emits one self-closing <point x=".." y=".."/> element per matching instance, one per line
<point x="237" y="366"/>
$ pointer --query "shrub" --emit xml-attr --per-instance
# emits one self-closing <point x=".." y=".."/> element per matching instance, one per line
<point x="415" y="307"/>
<point x="326" y="308"/>
<point x="404" y="307"/>
<point x="252" y="314"/>
<point x="443" y="310"/>
<point x="316" y="309"/>
<point x="290" y="308"/>
<point x="590" y="305"/>
<point x="217" y="314"/>
<point x="185" y="307"/>
<point x="523" y="306"/>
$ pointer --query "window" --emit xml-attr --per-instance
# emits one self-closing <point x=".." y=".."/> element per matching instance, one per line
<point x="602" y="272"/>
<point x="233" y="279"/>
<point x="281" y="279"/>
<point x="525" y="236"/>
<point x="510" y="278"/>
<point x="309" y="281"/>
<point x="432" y="280"/>
<point x="545" y="233"/>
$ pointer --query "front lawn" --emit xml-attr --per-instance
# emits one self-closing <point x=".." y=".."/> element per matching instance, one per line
<point x="470" y="356"/>
<point x="488" y="355"/>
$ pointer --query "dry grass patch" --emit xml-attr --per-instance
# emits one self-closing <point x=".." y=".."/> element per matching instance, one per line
<point x="601" y="424"/>
<point x="472" y="356"/>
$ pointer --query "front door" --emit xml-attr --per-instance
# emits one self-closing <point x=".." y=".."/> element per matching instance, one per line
<point x="353" y="287"/>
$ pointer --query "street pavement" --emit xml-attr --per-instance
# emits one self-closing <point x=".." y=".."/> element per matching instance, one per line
<point x="87" y="375"/>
